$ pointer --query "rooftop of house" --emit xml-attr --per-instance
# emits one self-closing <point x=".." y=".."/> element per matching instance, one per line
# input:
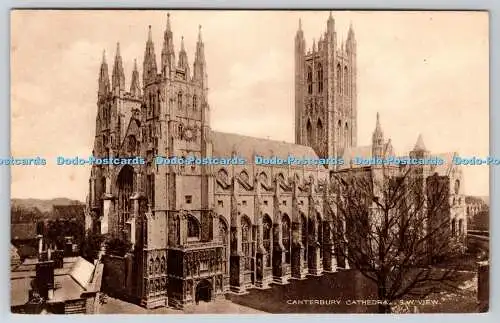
<point x="76" y="277"/>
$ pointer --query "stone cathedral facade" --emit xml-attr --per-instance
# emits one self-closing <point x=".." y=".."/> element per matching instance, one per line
<point x="201" y="231"/>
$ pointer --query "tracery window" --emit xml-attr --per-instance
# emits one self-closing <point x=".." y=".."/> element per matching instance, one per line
<point x="246" y="242"/>
<point x="309" y="80"/>
<point x="346" y="81"/>
<point x="225" y="245"/>
<point x="287" y="236"/>
<point x="179" y="100"/>
<point x="193" y="227"/>
<point x="125" y="187"/>
<point x="320" y="78"/>
<point x="267" y="227"/>
<point x="304" y="236"/>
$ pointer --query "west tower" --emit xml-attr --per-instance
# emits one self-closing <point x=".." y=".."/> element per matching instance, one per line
<point x="325" y="92"/>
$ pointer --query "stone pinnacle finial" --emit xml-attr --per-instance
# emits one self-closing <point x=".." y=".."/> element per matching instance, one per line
<point x="199" y="33"/>
<point x="104" y="56"/>
<point x="419" y="146"/>
<point x="150" y="36"/>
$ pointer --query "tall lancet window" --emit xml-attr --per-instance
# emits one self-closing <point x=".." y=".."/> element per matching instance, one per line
<point x="195" y="102"/>
<point x="319" y="130"/>
<point x="179" y="100"/>
<point x="267" y="226"/>
<point x="320" y="78"/>
<point x="346" y="135"/>
<point x="287" y="237"/>
<point x="246" y="242"/>
<point x="309" y="80"/>
<point x="339" y="79"/>
<point x="310" y="134"/>
<point x="346" y="81"/>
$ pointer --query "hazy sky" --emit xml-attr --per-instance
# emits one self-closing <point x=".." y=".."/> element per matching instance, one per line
<point x="425" y="72"/>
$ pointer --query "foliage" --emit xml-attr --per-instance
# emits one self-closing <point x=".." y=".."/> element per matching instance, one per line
<point x="392" y="225"/>
<point x="58" y="230"/>
<point x="92" y="245"/>
<point x="118" y="247"/>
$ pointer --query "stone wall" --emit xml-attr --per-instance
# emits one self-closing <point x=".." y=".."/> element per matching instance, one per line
<point x="117" y="277"/>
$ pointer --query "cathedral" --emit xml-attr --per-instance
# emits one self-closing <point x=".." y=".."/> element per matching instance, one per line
<point x="200" y="231"/>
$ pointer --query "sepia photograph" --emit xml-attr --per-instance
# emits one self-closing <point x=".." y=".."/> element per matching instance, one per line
<point x="249" y="162"/>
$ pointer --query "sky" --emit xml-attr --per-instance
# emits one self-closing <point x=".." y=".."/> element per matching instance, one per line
<point x="424" y="72"/>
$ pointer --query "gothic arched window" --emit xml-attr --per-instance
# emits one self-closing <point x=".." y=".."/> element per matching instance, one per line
<point x="193" y="227"/>
<point x="267" y="226"/>
<point x="304" y="236"/>
<point x="309" y="80"/>
<point x="319" y="130"/>
<point x="246" y="242"/>
<point x="339" y="134"/>
<point x="339" y="79"/>
<point x="346" y="136"/>
<point x="195" y="102"/>
<point x="225" y="244"/>
<point x="309" y="131"/>
<point x="286" y="237"/>
<point x="125" y="189"/>
<point x="346" y="81"/>
<point x="179" y="100"/>
<point x="320" y="78"/>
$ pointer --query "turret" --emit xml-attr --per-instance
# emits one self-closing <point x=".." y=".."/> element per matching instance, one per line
<point x="149" y="66"/>
<point x="183" y="60"/>
<point x="118" y="78"/>
<point x="378" y="140"/>
<point x="300" y="48"/>
<point x="419" y="151"/>
<point x="200" y="69"/>
<point x="103" y="78"/>
<point x="167" y="52"/>
<point x="135" y="87"/>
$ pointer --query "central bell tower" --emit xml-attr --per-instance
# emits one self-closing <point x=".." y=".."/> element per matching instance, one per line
<point x="325" y="92"/>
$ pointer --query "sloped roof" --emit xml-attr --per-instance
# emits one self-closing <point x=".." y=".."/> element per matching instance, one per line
<point x="245" y="146"/>
<point x="82" y="272"/>
<point x="23" y="231"/>
<point x="353" y="152"/>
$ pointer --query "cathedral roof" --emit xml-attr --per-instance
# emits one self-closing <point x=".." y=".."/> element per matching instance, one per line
<point x="224" y="144"/>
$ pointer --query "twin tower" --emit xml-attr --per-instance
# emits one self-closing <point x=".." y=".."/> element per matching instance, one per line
<point x="325" y="92"/>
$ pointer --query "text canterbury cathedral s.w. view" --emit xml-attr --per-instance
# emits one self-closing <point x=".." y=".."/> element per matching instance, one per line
<point x="247" y="162"/>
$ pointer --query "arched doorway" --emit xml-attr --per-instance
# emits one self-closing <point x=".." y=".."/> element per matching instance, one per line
<point x="203" y="291"/>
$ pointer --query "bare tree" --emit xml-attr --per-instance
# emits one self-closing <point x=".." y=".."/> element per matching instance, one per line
<point x="392" y="224"/>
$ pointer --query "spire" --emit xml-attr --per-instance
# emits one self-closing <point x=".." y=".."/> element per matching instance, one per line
<point x="300" y="33"/>
<point x="149" y="65"/>
<point x="168" y="22"/>
<point x="350" y="33"/>
<point x="420" y="146"/>
<point x="314" y="45"/>
<point x="183" y="62"/>
<point x="135" y="88"/>
<point x="199" y="60"/>
<point x="378" y="140"/>
<point x="103" y="77"/>
<point x="378" y="133"/>
<point x="330" y="24"/>
<point x="118" y="77"/>
<point x="168" y="52"/>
